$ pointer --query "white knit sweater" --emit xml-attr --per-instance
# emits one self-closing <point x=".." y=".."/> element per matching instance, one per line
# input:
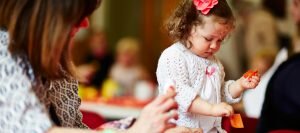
<point x="193" y="75"/>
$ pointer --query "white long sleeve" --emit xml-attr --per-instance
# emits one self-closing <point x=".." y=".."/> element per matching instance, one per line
<point x="173" y="67"/>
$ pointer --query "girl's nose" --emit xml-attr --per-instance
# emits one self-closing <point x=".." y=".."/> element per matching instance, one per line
<point x="213" y="45"/>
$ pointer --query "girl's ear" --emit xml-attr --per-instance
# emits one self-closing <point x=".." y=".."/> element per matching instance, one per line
<point x="193" y="31"/>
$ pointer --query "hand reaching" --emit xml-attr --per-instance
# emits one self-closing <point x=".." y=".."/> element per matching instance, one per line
<point x="221" y="109"/>
<point x="155" y="116"/>
<point x="249" y="82"/>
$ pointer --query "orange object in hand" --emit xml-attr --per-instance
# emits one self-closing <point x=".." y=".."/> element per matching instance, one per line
<point x="236" y="121"/>
<point x="250" y="73"/>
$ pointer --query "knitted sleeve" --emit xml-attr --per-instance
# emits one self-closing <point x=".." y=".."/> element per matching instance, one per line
<point x="172" y="67"/>
<point x="226" y="96"/>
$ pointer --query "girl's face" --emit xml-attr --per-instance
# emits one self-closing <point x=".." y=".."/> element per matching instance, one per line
<point x="295" y="10"/>
<point x="206" y="39"/>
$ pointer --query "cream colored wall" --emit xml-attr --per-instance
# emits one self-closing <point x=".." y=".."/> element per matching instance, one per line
<point x="229" y="58"/>
<point x="97" y="21"/>
<point x="98" y="17"/>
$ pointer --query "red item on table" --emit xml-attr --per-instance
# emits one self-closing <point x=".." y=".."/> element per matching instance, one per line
<point x="125" y="101"/>
<point x="236" y="121"/>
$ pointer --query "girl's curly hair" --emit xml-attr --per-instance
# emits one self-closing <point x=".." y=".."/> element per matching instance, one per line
<point x="186" y="16"/>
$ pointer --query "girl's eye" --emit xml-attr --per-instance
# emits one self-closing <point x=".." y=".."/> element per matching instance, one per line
<point x="220" y="41"/>
<point x="208" y="39"/>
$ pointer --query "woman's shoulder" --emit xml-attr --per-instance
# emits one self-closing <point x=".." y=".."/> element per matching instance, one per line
<point x="292" y="63"/>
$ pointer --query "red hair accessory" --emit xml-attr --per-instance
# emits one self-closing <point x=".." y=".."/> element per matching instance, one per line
<point x="83" y="24"/>
<point x="205" y="5"/>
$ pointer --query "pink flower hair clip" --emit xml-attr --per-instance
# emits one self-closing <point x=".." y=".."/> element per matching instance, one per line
<point x="205" y="5"/>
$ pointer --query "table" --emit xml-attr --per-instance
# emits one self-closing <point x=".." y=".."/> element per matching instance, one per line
<point x="110" y="111"/>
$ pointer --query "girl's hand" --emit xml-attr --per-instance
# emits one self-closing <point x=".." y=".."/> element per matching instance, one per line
<point x="249" y="83"/>
<point x="155" y="116"/>
<point x="221" y="109"/>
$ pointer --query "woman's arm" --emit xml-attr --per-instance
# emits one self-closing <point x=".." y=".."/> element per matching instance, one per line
<point x="70" y="130"/>
<point x="155" y="116"/>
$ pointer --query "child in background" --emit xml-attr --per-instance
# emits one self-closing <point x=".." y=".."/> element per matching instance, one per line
<point x="97" y="61"/>
<point x="253" y="100"/>
<point x="199" y="27"/>
<point x="127" y="70"/>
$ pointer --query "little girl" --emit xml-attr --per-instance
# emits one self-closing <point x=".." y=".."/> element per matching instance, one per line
<point x="199" y="27"/>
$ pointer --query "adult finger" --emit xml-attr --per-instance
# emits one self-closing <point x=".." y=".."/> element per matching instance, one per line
<point x="169" y="125"/>
<point x="162" y="98"/>
<point x="179" y="129"/>
<point x="168" y="115"/>
<point x="197" y="130"/>
<point x="171" y="92"/>
<point x="168" y="105"/>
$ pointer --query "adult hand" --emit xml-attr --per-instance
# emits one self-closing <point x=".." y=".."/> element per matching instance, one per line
<point x="180" y="129"/>
<point x="155" y="116"/>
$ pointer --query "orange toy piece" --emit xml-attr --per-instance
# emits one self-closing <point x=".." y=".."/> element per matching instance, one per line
<point x="250" y="73"/>
<point x="236" y="121"/>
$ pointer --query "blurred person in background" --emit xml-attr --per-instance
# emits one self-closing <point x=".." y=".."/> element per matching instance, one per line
<point x="98" y="61"/>
<point x="281" y="107"/>
<point x="127" y="70"/>
<point x="266" y="33"/>
<point x="266" y="28"/>
<point x="262" y="61"/>
<point x="37" y="90"/>
<point x="243" y="9"/>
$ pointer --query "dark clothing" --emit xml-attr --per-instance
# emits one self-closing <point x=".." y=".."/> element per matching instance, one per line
<point x="54" y="116"/>
<point x="281" y="108"/>
<point x="104" y="64"/>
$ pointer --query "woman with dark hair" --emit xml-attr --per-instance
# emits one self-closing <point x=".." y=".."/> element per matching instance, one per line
<point x="281" y="107"/>
<point x="38" y="92"/>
